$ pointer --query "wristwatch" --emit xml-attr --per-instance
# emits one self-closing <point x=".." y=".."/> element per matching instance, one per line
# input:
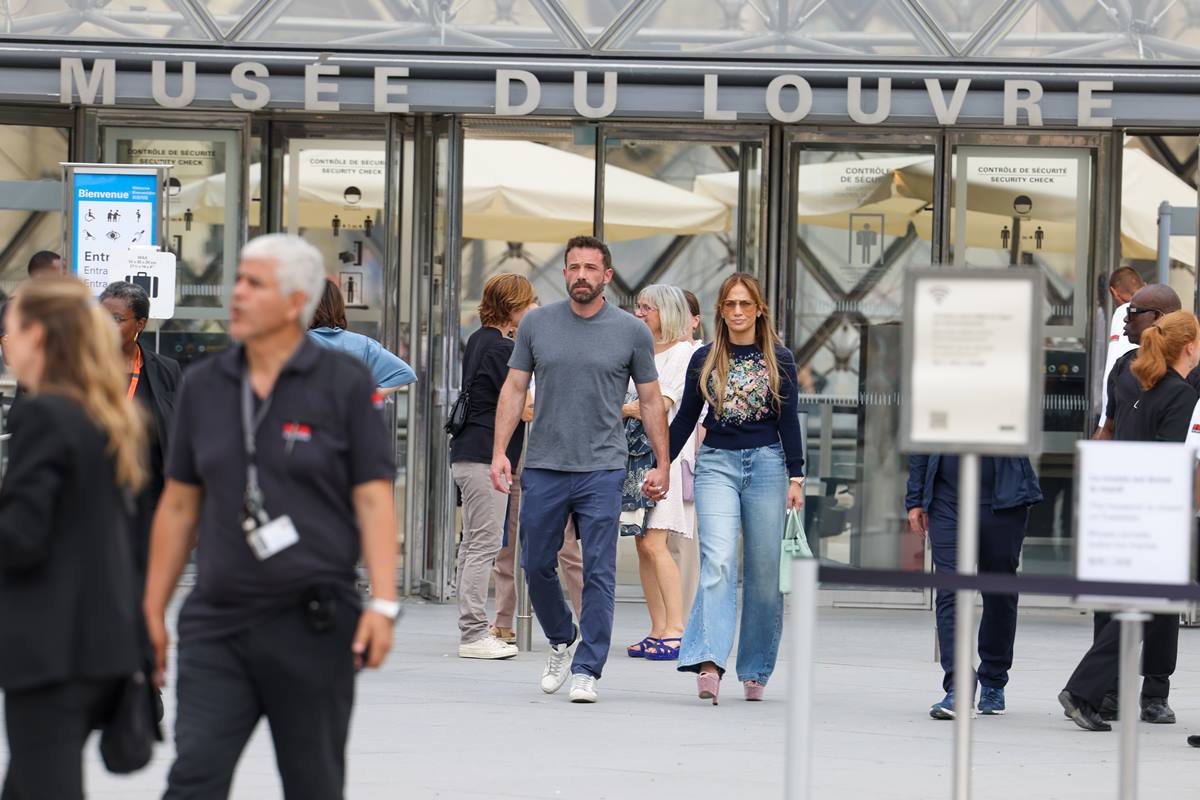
<point x="388" y="608"/>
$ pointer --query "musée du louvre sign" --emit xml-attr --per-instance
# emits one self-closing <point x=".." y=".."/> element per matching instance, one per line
<point x="593" y="94"/>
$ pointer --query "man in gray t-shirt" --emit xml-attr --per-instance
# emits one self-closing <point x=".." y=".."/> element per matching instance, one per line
<point x="584" y="352"/>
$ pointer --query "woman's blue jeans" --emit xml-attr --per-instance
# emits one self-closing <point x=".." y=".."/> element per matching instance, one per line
<point x="736" y="490"/>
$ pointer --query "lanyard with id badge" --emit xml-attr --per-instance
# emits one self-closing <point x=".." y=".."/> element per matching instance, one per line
<point x="267" y="537"/>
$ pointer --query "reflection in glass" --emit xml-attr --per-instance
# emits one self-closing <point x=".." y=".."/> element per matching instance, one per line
<point x="1031" y="207"/>
<point x="698" y="188"/>
<point x="864" y="216"/>
<point x="203" y="191"/>
<point x="333" y="197"/>
<point x="29" y="153"/>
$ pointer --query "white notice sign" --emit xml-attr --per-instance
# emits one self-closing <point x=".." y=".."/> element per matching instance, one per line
<point x="151" y="270"/>
<point x="1135" y="515"/>
<point x="972" y="349"/>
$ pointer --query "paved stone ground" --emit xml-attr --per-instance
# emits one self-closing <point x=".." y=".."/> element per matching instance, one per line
<point x="431" y="725"/>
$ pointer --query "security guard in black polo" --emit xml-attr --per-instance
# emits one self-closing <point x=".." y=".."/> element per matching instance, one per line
<point x="281" y="467"/>
<point x="1161" y="644"/>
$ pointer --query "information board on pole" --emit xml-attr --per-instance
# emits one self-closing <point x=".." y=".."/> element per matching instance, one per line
<point x="972" y="362"/>
<point x="1134" y="518"/>
<point x="110" y="208"/>
<point x="150" y="269"/>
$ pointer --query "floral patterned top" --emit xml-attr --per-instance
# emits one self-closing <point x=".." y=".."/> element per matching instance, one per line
<point x="748" y="418"/>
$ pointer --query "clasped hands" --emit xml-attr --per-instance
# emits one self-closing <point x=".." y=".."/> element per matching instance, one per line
<point x="656" y="483"/>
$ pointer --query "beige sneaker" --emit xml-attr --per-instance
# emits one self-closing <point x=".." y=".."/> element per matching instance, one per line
<point x="488" y="647"/>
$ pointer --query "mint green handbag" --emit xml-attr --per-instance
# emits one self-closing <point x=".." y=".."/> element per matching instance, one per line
<point x="795" y="545"/>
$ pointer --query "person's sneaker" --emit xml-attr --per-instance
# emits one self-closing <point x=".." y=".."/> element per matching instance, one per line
<point x="583" y="688"/>
<point x="1157" y="712"/>
<point x="558" y="665"/>
<point x="1082" y="713"/>
<point x="1109" y="708"/>
<point x="943" y="709"/>
<point x="991" y="700"/>
<point x="487" y="647"/>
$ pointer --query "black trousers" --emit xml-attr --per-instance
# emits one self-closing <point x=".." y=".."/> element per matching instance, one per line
<point x="47" y="729"/>
<point x="1097" y="673"/>
<point x="300" y="679"/>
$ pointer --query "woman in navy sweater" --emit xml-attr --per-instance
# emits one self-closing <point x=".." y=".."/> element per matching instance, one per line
<point x="749" y="472"/>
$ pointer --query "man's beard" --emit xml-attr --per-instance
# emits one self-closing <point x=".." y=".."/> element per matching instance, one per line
<point x="592" y="292"/>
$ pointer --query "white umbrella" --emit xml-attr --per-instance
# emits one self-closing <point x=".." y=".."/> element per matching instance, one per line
<point x="512" y="191"/>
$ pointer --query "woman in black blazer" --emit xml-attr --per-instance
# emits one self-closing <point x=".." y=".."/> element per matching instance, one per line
<point x="69" y="622"/>
<point x="152" y="382"/>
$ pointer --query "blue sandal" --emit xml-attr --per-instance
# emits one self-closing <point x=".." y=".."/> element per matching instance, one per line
<point x="659" y="650"/>
<point x="640" y="649"/>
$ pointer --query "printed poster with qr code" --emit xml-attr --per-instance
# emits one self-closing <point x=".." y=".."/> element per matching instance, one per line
<point x="974" y="351"/>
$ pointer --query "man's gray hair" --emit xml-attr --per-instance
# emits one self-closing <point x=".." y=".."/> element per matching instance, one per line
<point x="299" y="267"/>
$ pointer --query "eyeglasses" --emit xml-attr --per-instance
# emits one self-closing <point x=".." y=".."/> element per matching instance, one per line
<point x="1133" y="311"/>
<point x="643" y="308"/>
<point x="730" y="305"/>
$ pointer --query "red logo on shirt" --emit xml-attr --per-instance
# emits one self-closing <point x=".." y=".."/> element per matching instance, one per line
<point x="1114" y="337"/>
<point x="1196" y="428"/>
<point x="377" y="399"/>
<point x="297" y="432"/>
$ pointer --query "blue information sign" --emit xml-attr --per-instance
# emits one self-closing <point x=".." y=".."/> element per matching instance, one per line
<point x="111" y="212"/>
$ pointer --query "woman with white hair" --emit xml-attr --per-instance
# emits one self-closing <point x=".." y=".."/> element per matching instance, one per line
<point x="664" y="309"/>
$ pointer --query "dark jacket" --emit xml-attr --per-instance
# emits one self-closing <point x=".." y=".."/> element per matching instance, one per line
<point x="1015" y="486"/>
<point x="164" y="375"/>
<point x="67" y="589"/>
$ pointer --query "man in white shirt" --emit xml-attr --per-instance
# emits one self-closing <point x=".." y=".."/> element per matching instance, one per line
<point x="1122" y="285"/>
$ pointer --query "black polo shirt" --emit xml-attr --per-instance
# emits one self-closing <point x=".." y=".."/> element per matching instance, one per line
<point x="1123" y="390"/>
<point x="323" y="435"/>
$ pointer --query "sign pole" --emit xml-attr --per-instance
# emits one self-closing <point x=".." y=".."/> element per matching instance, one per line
<point x="1127" y="698"/>
<point x="801" y="680"/>
<point x="964" y="623"/>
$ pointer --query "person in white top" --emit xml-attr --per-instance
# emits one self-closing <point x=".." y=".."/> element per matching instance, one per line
<point x="1122" y="285"/>
<point x="664" y="309"/>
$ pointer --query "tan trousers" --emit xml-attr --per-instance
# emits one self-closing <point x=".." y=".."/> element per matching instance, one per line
<point x="483" y="530"/>
<point x="570" y="564"/>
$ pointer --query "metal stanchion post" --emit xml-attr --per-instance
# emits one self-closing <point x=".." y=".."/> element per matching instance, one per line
<point x="524" y="615"/>
<point x="798" y="775"/>
<point x="1127" y="698"/>
<point x="964" y="623"/>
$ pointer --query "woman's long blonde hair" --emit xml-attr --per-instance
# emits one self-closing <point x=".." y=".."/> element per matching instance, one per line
<point x="83" y="362"/>
<point x="1161" y="345"/>
<point x="714" y="375"/>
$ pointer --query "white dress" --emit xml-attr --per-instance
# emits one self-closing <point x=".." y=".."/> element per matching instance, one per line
<point x="673" y="514"/>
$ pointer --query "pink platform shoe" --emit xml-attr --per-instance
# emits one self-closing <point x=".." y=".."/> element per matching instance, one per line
<point x="754" y="690"/>
<point x="708" y="684"/>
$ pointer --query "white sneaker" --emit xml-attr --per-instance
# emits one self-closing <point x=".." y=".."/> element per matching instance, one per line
<point x="583" y="688"/>
<point x="558" y="666"/>
<point x="487" y="647"/>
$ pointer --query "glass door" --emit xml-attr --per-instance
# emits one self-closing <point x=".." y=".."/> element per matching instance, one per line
<point x="207" y="209"/>
<point x="435" y="224"/>
<point x="862" y="213"/>
<point x="1034" y="201"/>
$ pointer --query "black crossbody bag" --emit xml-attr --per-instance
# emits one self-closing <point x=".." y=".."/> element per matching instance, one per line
<point x="456" y="420"/>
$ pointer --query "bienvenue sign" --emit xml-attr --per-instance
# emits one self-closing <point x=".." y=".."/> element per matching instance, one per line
<point x="786" y="98"/>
